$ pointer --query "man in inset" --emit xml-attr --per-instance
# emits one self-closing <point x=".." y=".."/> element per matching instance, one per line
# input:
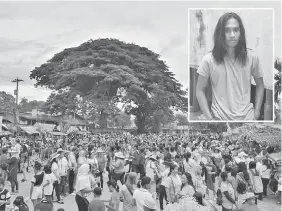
<point x="230" y="67"/>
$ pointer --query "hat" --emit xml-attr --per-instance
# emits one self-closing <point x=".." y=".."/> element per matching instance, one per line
<point x="153" y="156"/>
<point x="60" y="150"/>
<point x="119" y="155"/>
<point x="249" y="195"/>
<point x="54" y="156"/>
<point x="175" y="163"/>
<point x="149" y="202"/>
<point x="242" y="154"/>
<point x="99" y="150"/>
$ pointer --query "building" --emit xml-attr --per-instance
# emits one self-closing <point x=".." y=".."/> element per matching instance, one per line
<point x="173" y="128"/>
<point x="36" y="120"/>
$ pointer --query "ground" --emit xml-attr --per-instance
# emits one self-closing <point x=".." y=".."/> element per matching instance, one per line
<point x="268" y="204"/>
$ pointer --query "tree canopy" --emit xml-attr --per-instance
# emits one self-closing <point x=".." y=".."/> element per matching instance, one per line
<point x="181" y="119"/>
<point x="27" y="106"/>
<point x="7" y="102"/>
<point x="110" y="71"/>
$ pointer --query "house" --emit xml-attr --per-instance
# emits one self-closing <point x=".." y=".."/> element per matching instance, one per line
<point x="173" y="128"/>
<point x="40" y="121"/>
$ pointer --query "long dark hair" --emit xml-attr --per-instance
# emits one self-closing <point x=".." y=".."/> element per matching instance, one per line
<point x="219" y="50"/>
<point x="187" y="155"/>
<point x="189" y="180"/>
<point x="171" y="168"/>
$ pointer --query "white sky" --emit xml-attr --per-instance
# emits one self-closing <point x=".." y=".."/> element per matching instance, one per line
<point x="32" y="32"/>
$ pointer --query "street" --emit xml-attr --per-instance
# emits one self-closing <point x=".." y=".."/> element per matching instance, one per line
<point x="268" y="203"/>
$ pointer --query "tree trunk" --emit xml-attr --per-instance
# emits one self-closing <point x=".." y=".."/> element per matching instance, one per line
<point x="103" y="120"/>
<point x="140" y="123"/>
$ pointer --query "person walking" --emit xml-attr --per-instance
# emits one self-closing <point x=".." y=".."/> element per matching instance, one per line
<point x="13" y="170"/>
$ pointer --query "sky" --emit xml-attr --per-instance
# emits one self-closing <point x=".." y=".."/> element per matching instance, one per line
<point x="32" y="32"/>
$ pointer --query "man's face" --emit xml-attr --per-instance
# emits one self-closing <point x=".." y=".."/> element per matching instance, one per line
<point x="232" y="33"/>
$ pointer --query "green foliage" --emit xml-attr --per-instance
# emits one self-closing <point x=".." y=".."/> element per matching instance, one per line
<point x="122" y="120"/>
<point x="219" y="127"/>
<point x="7" y="102"/>
<point x="111" y="71"/>
<point x="181" y="119"/>
<point x="27" y="106"/>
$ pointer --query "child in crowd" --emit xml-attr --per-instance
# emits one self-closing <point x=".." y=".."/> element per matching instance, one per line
<point x="114" y="200"/>
<point x="97" y="203"/>
<point x="48" y="184"/>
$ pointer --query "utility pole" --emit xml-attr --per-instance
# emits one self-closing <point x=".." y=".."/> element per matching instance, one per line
<point x="17" y="101"/>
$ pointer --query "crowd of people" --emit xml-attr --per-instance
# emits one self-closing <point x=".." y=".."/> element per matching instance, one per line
<point x="144" y="172"/>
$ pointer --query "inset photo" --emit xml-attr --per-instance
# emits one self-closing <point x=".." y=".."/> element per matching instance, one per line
<point x="231" y="65"/>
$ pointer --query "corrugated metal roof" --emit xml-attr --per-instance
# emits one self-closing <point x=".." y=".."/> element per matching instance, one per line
<point x="29" y="129"/>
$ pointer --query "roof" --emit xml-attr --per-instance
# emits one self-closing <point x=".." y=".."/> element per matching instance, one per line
<point x="40" y="117"/>
<point x="76" y="121"/>
<point x="5" y="133"/>
<point x="44" y="127"/>
<point x="29" y="130"/>
<point x="58" y="134"/>
<point x="5" y="127"/>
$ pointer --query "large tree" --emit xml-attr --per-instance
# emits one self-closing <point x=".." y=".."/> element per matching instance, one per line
<point x="27" y="106"/>
<point x="112" y="71"/>
<point x="122" y="120"/>
<point x="181" y="119"/>
<point x="7" y="102"/>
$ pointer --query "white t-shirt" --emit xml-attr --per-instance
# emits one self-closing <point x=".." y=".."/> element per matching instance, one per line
<point x="55" y="168"/>
<point x="227" y="187"/>
<point x="18" y="148"/>
<point x="265" y="172"/>
<point x="150" y="170"/>
<point x="231" y="85"/>
<point x="164" y="175"/>
<point x="173" y="183"/>
<point x="49" y="188"/>
<point x="62" y="166"/>
<point x="139" y="195"/>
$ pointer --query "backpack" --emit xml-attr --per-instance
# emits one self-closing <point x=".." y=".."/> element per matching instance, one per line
<point x="273" y="184"/>
<point x="43" y="206"/>
<point x="20" y="204"/>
